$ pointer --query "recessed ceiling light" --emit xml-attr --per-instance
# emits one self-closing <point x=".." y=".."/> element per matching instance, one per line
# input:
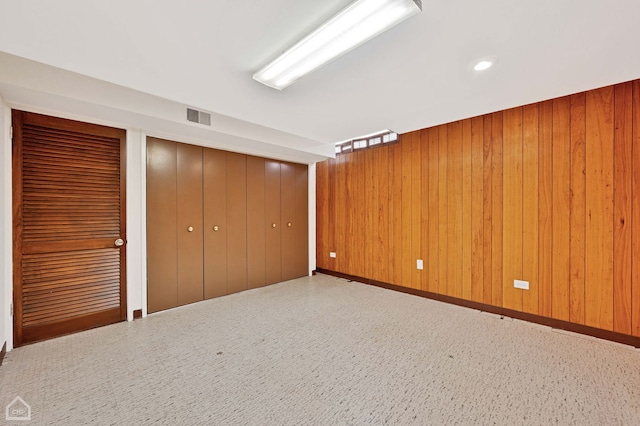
<point x="482" y="65"/>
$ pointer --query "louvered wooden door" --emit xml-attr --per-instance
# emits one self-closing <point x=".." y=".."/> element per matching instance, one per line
<point x="69" y="210"/>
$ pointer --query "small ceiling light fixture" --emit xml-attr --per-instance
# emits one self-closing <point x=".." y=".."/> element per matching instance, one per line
<point x="484" y="63"/>
<point x="356" y="24"/>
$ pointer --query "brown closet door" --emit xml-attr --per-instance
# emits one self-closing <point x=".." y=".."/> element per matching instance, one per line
<point x="272" y="222"/>
<point x="301" y="224"/>
<point x="69" y="213"/>
<point x="236" y="222"/>
<point x="190" y="224"/>
<point x="162" y="242"/>
<point x="288" y="220"/>
<point x="215" y="223"/>
<point x="256" y="262"/>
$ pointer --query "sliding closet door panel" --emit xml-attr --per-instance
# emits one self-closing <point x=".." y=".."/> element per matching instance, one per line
<point x="189" y="221"/>
<point x="215" y="220"/>
<point x="288" y="220"/>
<point x="236" y="222"/>
<point x="256" y="262"/>
<point x="162" y="269"/>
<point x="272" y="222"/>
<point x="301" y="221"/>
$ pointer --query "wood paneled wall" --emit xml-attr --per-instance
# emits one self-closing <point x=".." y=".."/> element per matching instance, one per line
<point x="548" y="193"/>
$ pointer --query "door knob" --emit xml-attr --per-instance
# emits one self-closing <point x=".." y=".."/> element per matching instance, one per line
<point x="119" y="242"/>
<point x="215" y="228"/>
<point x="273" y="225"/>
<point x="190" y="229"/>
<point x="289" y="224"/>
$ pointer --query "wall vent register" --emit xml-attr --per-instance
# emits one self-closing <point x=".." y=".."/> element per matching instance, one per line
<point x="199" y="117"/>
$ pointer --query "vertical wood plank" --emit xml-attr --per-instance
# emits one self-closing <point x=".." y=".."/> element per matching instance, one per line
<point x="466" y="209"/>
<point x="577" y="212"/>
<point x="530" y="206"/>
<point x="599" y="185"/>
<point x="407" y="265"/>
<point x="477" y="192"/>
<point x="424" y="202"/>
<point x="358" y="242"/>
<point x="341" y="216"/>
<point x="623" y="137"/>
<point x="496" y="213"/>
<point x="512" y="208"/>
<point x="487" y="209"/>
<point x="370" y="213"/>
<point x="348" y="200"/>
<point x="322" y="208"/>
<point x="434" y="210"/>
<point x="443" y="209"/>
<point x="454" y="209"/>
<point x="383" y="249"/>
<point x="416" y="210"/>
<point x="561" y="175"/>
<point x="396" y="225"/>
<point x="635" y="211"/>
<point x="392" y="212"/>
<point x="545" y="216"/>
<point x="333" y="213"/>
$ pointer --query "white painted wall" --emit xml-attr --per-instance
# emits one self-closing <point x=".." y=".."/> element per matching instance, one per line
<point x="136" y="225"/>
<point x="6" y="256"/>
<point x="312" y="217"/>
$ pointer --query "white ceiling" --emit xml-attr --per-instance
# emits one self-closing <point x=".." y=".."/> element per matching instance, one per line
<point x="202" y="53"/>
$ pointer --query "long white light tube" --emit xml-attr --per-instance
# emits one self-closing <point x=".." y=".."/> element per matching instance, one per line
<point x="356" y="24"/>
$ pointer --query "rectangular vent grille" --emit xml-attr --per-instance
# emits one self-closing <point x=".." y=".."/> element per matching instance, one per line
<point x="199" y="117"/>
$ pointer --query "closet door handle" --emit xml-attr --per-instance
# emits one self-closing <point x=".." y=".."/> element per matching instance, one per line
<point x="289" y="224"/>
<point x="190" y="229"/>
<point x="273" y="225"/>
<point x="215" y="228"/>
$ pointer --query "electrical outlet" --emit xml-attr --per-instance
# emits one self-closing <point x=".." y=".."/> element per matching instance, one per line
<point x="332" y="254"/>
<point x="420" y="264"/>
<point x="524" y="285"/>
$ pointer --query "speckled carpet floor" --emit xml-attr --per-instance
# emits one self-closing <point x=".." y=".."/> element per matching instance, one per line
<point x="324" y="351"/>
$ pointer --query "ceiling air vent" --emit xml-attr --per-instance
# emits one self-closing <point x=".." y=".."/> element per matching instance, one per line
<point x="200" y="117"/>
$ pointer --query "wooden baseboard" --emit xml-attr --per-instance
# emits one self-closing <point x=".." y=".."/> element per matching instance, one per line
<point x="538" y="319"/>
<point x="3" y="352"/>
<point x="137" y="314"/>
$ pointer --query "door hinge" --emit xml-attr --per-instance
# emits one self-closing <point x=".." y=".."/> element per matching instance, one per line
<point x="11" y="309"/>
<point x="11" y="132"/>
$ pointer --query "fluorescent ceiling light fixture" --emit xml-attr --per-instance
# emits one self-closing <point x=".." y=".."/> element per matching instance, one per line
<point x="358" y="23"/>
